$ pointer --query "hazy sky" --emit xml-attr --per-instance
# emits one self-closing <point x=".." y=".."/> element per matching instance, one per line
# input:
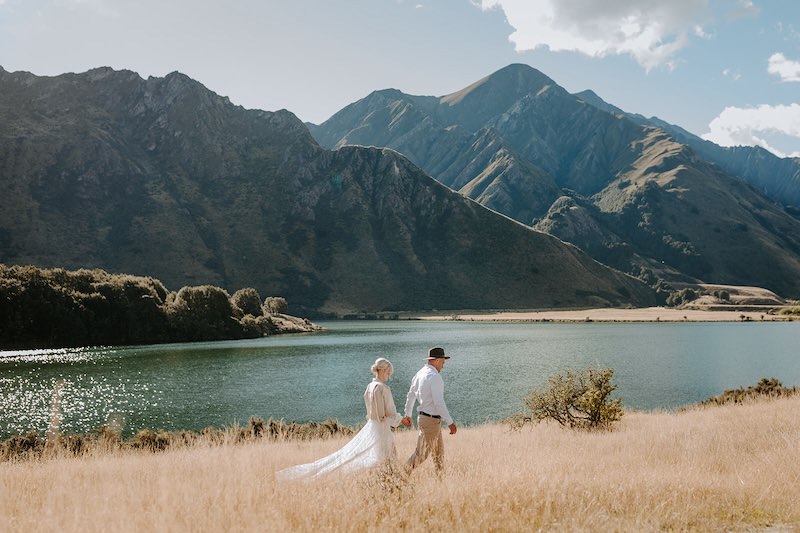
<point x="728" y="70"/>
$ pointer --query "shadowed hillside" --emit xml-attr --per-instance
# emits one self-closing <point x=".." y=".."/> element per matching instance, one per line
<point x="165" y="178"/>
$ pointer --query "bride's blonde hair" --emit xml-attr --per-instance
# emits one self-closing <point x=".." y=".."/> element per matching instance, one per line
<point x="379" y="364"/>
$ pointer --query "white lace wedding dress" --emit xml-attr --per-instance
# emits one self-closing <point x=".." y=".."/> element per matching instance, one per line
<point x="372" y="446"/>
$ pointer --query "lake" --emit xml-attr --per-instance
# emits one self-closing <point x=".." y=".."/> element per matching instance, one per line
<point x="323" y="375"/>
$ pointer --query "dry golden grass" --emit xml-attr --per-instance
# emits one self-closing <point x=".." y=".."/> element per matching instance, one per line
<point x="728" y="468"/>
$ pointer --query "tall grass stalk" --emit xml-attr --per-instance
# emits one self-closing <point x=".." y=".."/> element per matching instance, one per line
<point x="723" y="468"/>
<point x="54" y="427"/>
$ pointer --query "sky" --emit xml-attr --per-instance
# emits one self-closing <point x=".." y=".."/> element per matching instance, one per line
<point x="727" y="70"/>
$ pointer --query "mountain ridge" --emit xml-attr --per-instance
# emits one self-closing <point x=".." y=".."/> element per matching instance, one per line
<point x="163" y="177"/>
<point x="581" y="147"/>
<point x="754" y="164"/>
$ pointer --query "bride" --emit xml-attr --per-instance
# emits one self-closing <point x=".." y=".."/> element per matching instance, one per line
<point x="373" y="445"/>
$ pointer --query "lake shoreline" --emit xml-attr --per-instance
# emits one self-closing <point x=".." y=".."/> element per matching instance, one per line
<point x="648" y="314"/>
<point x="495" y="365"/>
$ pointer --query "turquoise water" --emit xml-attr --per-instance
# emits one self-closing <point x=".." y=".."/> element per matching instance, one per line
<point x="323" y="375"/>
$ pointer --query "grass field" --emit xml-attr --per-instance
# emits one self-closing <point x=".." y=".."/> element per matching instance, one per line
<point x="725" y="468"/>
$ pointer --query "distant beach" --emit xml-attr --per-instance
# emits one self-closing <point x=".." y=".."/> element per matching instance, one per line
<point x="647" y="314"/>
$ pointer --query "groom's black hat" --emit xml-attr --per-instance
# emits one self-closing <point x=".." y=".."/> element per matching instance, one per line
<point x="437" y="353"/>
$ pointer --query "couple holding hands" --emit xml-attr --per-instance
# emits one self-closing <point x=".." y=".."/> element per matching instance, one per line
<point x="374" y="444"/>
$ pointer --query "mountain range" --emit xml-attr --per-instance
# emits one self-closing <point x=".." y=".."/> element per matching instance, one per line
<point x="776" y="177"/>
<point x="641" y="195"/>
<point x="162" y="177"/>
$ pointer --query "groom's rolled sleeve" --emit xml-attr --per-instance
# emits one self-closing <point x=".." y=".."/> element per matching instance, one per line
<point x="411" y="397"/>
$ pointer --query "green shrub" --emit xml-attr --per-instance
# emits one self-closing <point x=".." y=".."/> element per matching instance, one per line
<point x="248" y="301"/>
<point x="275" y="305"/>
<point x="266" y="325"/>
<point x="250" y="327"/>
<point x="766" y="388"/>
<point x="579" y="400"/>
<point x="682" y="296"/>
<point x="723" y="295"/>
<point x="147" y="439"/>
<point x="203" y="313"/>
<point x="58" y="308"/>
<point x="22" y="446"/>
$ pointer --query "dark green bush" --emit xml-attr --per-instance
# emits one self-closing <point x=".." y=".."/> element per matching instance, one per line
<point x="766" y="388"/>
<point x="579" y="400"/>
<point x="276" y="305"/>
<point x="202" y="313"/>
<point x="266" y="325"/>
<point x="22" y="446"/>
<point x="682" y="296"/>
<point x="42" y="308"/>
<point x="248" y="301"/>
<point x="250" y="327"/>
<point x="147" y="439"/>
<point x="723" y="295"/>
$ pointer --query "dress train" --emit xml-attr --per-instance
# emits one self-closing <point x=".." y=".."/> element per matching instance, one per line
<point x="371" y="447"/>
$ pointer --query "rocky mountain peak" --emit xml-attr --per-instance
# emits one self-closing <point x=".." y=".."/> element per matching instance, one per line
<point x="592" y="98"/>
<point x="476" y="104"/>
<point x="108" y="73"/>
<point x="509" y="83"/>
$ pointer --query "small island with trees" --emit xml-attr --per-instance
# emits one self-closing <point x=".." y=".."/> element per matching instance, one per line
<point x="53" y="308"/>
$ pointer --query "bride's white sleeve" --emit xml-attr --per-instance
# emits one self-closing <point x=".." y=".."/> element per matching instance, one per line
<point x="392" y="415"/>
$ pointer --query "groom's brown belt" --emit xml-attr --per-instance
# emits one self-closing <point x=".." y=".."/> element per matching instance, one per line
<point x="423" y="413"/>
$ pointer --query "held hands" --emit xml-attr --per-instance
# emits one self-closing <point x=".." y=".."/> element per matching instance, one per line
<point x="406" y="421"/>
<point x="453" y="428"/>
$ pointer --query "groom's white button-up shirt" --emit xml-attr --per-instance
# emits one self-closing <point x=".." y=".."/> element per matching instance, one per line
<point x="427" y="387"/>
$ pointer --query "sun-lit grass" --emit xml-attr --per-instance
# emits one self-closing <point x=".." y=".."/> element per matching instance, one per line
<point x="726" y="468"/>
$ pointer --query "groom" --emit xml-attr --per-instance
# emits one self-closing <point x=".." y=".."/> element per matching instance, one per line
<point x="427" y="388"/>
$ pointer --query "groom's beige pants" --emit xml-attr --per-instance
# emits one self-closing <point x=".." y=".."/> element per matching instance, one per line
<point x="429" y="441"/>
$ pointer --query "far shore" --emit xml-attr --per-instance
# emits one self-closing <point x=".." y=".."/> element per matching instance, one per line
<point x="647" y="314"/>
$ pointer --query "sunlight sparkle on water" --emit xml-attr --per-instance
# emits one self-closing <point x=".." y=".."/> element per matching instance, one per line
<point x="54" y="355"/>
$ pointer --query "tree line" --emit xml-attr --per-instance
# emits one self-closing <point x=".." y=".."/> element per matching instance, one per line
<point x="47" y="308"/>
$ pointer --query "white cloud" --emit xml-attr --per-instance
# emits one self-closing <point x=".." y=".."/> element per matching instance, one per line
<point x="651" y="32"/>
<point x="733" y="74"/>
<point x="788" y="31"/>
<point x="701" y="32"/>
<point x="787" y="69"/>
<point x="743" y="8"/>
<point x="737" y="126"/>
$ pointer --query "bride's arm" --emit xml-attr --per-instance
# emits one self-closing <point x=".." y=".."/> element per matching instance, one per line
<point x="391" y="411"/>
